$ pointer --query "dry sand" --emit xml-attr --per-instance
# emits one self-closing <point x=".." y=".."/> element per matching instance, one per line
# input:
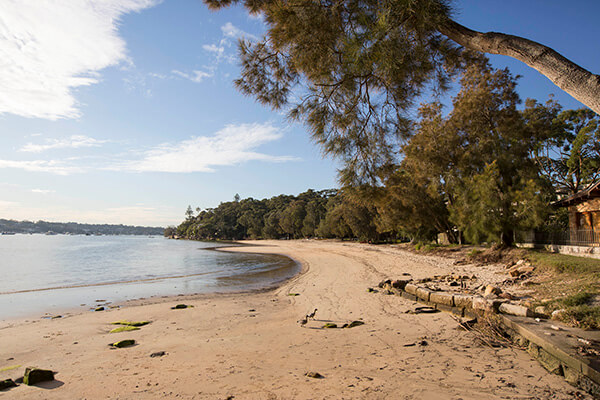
<point x="250" y="346"/>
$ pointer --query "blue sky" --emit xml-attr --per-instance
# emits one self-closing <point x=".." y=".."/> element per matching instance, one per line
<point x="124" y="111"/>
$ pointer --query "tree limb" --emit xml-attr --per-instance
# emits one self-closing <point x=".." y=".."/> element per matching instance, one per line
<point x="570" y="77"/>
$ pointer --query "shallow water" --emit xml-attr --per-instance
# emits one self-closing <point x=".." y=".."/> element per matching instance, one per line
<point x="43" y="274"/>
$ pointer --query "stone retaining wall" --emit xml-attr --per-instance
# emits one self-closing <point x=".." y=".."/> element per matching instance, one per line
<point x="554" y="357"/>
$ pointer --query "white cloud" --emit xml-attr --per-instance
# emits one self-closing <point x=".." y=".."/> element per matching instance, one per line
<point x="195" y="76"/>
<point x="213" y="48"/>
<point x="50" y="47"/>
<point x="232" y="145"/>
<point x="43" y="191"/>
<point x="74" y="142"/>
<point x="50" y="166"/>
<point x="231" y="31"/>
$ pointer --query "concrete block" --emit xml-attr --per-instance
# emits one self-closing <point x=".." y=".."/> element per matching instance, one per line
<point x="411" y="288"/>
<point x="463" y="300"/>
<point x="482" y="305"/>
<point x="423" y="293"/>
<point x="458" y="311"/>
<point x="550" y="363"/>
<point x="444" y="298"/>
<point x="514" y="309"/>
<point x="409" y="296"/>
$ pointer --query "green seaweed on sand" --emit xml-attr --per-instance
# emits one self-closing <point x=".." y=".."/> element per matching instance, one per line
<point x="131" y="323"/>
<point x="355" y="323"/>
<point x="329" y="325"/>
<point x="123" y="343"/>
<point x="124" y="329"/>
<point x="293" y="294"/>
<point x="10" y="368"/>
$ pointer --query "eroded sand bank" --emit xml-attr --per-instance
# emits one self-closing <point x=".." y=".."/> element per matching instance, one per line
<point x="251" y="346"/>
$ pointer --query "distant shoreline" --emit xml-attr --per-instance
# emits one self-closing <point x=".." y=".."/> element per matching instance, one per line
<point x="45" y="227"/>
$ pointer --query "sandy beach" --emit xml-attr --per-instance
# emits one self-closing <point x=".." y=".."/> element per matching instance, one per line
<point x="250" y="345"/>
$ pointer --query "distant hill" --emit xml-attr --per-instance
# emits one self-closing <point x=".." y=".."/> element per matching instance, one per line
<point x="7" y="225"/>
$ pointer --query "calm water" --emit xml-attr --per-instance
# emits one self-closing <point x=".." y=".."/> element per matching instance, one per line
<point x="42" y="274"/>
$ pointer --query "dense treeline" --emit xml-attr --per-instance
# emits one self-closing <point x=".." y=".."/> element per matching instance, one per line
<point x="478" y="173"/>
<point x="326" y="213"/>
<point x="7" y="225"/>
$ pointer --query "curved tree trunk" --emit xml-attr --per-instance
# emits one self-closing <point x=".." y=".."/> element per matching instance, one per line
<point x="570" y="77"/>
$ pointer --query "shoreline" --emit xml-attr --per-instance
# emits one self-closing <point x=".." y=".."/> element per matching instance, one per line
<point x="75" y="309"/>
<point x="249" y="345"/>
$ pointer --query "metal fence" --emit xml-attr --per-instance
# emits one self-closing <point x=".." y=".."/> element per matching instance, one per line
<point x="585" y="237"/>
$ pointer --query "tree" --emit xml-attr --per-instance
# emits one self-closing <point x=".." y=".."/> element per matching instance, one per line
<point x="189" y="213"/>
<point x="478" y="159"/>
<point x="570" y="154"/>
<point x="351" y="70"/>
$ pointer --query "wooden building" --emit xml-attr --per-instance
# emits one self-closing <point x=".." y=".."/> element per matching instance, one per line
<point x="584" y="209"/>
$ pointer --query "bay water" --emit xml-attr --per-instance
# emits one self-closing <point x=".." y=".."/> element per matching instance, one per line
<point x="41" y="275"/>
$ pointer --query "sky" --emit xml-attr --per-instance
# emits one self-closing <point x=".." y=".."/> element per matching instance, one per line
<point x="124" y="111"/>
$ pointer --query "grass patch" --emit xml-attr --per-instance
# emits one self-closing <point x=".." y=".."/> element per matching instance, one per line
<point x="131" y="323"/>
<point x="569" y="283"/>
<point x="10" y="368"/>
<point x="582" y="316"/>
<point x="563" y="263"/>
<point x="426" y="247"/>
<point x="124" y="329"/>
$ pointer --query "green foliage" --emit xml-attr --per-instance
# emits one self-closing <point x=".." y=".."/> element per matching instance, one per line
<point x="350" y="70"/>
<point x="570" y="156"/>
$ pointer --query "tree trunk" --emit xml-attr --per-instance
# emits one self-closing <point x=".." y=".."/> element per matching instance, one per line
<point x="507" y="238"/>
<point x="570" y="77"/>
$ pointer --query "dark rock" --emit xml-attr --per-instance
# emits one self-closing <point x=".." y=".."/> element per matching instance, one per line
<point x="158" y="354"/>
<point x="36" y="375"/>
<point x="355" y="323"/>
<point x="400" y="283"/>
<point x="179" y="307"/>
<point x="384" y="282"/>
<point x="99" y="308"/>
<point x="426" y="310"/>
<point x="423" y="343"/>
<point x="7" y="383"/>
<point x="315" y="375"/>
<point x="454" y="283"/>
<point x="123" y="343"/>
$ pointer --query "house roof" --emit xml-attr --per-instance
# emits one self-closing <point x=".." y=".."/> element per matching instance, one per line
<point x="589" y="192"/>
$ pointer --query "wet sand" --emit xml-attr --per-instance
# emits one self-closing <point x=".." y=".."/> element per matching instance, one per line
<point x="250" y="345"/>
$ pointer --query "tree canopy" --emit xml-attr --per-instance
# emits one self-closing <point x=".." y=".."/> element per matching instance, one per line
<point x="352" y="70"/>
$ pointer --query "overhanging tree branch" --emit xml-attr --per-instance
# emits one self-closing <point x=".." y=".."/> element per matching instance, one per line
<point x="570" y="77"/>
